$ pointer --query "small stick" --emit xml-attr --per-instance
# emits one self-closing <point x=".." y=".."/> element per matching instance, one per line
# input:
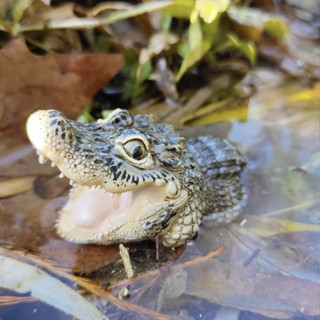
<point x="157" y="248"/>
<point x="124" y="253"/>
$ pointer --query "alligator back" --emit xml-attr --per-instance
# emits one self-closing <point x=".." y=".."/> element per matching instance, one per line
<point x="221" y="165"/>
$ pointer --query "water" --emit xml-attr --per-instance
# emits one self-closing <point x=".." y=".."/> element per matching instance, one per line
<point x="269" y="264"/>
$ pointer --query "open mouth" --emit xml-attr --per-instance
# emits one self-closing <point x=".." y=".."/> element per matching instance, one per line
<point x="92" y="213"/>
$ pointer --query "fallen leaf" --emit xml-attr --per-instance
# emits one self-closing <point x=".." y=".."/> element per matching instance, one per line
<point x="23" y="278"/>
<point x="12" y="186"/>
<point x="277" y="279"/>
<point x="158" y="42"/>
<point x="267" y="227"/>
<point x="68" y="82"/>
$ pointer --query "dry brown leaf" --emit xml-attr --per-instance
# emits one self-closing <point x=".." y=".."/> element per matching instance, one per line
<point x="68" y="82"/>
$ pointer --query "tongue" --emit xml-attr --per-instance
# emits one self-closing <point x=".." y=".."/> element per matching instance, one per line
<point x="91" y="208"/>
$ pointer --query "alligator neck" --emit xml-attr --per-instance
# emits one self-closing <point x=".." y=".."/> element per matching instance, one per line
<point x="220" y="164"/>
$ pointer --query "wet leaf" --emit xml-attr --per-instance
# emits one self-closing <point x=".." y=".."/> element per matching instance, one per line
<point x="23" y="278"/>
<point x="267" y="227"/>
<point x="174" y="285"/>
<point x="51" y="81"/>
<point x="12" y="186"/>
<point x="253" y="274"/>
<point x="311" y="95"/>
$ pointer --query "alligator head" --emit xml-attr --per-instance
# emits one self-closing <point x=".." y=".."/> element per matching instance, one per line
<point x="126" y="177"/>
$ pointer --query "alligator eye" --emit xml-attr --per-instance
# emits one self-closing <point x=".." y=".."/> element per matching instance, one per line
<point x="135" y="149"/>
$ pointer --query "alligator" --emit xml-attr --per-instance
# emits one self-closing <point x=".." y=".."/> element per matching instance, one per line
<point x="134" y="179"/>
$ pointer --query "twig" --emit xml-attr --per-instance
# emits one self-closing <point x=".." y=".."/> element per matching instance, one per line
<point x="154" y="273"/>
<point x="124" y="253"/>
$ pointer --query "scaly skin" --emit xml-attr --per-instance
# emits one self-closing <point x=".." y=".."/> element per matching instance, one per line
<point x="173" y="182"/>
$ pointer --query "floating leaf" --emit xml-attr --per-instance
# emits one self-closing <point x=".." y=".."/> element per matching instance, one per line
<point x="23" y="278"/>
<point x="312" y="95"/>
<point x="267" y="227"/>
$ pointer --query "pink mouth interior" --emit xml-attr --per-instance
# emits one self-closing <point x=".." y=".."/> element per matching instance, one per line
<point x="93" y="211"/>
<point x="92" y="208"/>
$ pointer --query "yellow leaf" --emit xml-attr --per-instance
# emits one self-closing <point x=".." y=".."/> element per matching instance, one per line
<point x="267" y="227"/>
<point x="209" y="9"/>
<point x="312" y="94"/>
<point x="210" y="114"/>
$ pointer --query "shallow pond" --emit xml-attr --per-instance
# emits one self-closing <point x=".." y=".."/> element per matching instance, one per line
<point x="264" y="265"/>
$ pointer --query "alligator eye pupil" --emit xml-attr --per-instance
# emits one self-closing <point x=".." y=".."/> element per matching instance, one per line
<point x="137" y="152"/>
<point x="135" y="149"/>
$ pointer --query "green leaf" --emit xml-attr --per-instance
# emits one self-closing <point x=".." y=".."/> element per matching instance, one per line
<point x="246" y="47"/>
<point x="137" y="10"/>
<point x="192" y="57"/>
<point x="195" y="35"/>
<point x="183" y="49"/>
<point x="19" y="8"/>
<point x="276" y="27"/>
<point x="180" y="9"/>
<point x="145" y="72"/>
<point x="86" y="116"/>
<point x="197" y="47"/>
<point x="165" y="22"/>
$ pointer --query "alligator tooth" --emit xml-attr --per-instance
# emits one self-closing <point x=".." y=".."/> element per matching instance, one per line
<point x="159" y="182"/>
<point x="52" y="165"/>
<point x="61" y="175"/>
<point x="42" y="159"/>
<point x="111" y="195"/>
<point x="172" y="189"/>
<point x="71" y="182"/>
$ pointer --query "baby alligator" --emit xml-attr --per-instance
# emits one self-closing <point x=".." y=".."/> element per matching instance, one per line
<point x="135" y="179"/>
